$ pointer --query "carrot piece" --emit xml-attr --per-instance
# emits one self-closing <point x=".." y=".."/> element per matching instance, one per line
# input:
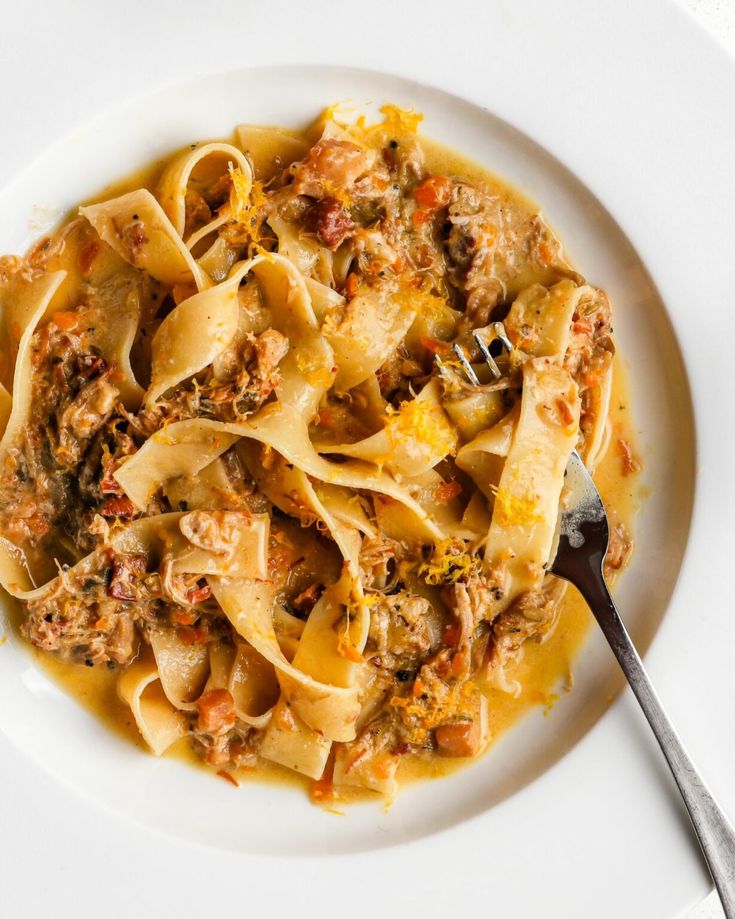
<point x="433" y="193"/>
<point x="351" y="285"/>
<point x="216" y="711"/>
<point x="65" y="320"/>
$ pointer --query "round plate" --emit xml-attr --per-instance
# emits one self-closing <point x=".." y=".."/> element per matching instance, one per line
<point x="568" y="800"/>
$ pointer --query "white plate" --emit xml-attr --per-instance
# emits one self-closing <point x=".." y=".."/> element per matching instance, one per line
<point x="541" y="826"/>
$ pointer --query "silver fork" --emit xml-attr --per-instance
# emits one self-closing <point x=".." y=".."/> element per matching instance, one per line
<point x="583" y="541"/>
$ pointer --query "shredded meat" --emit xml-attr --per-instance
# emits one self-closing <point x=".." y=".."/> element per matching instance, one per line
<point x="214" y="531"/>
<point x="403" y="630"/>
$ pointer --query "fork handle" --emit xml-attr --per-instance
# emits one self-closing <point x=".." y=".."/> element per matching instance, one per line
<point x="714" y="831"/>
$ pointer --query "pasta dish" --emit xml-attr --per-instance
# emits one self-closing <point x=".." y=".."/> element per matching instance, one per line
<point x="244" y="471"/>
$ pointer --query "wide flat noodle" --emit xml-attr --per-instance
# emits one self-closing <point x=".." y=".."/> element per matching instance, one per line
<point x="245" y="537"/>
<point x="415" y="438"/>
<point x="483" y="458"/>
<point x="137" y="228"/>
<point x="114" y="335"/>
<point x="174" y="182"/>
<point x="160" y="723"/>
<point x="192" y="336"/>
<point x="26" y="311"/>
<point x="271" y="149"/>
<point x="182" y="668"/>
<point x="187" y="446"/>
<point x="307" y="370"/>
<point x="522" y="531"/>
<point x="249" y="607"/>
<point x="209" y="489"/>
<point x="253" y="685"/>
<point x="599" y="406"/>
<point x="292" y="743"/>
<point x="170" y="454"/>
<point x="539" y="320"/>
<point x="373" y="325"/>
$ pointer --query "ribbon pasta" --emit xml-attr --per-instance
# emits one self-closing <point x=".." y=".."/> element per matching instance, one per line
<point x="231" y="468"/>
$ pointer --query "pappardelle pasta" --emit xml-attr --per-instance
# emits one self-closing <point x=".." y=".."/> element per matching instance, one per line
<point x="242" y="469"/>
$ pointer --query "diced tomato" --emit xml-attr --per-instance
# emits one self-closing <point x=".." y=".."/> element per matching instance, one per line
<point x="199" y="594"/>
<point x="184" y="616"/>
<point x="433" y="193"/>
<point x="582" y="326"/>
<point x="125" y="569"/>
<point x="118" y="506"/>
<point x="216" y="711"/>
<point x="435" y="346"/>
<point x="451" y="635"/>
<point x="193" y="636"/>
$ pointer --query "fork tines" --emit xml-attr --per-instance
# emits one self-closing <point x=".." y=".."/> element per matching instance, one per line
<point x="496" y="333"/>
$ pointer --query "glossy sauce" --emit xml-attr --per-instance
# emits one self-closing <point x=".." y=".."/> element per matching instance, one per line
<point x="544" y="670"/>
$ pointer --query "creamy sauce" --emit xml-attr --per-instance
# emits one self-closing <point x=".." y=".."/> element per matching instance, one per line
<point x="544" y="670"/>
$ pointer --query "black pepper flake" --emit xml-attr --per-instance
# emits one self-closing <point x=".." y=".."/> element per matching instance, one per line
<point x="183" y="505"/>
<point x="393" y="145"/>
<point x="403" y="676"/>
<point x="88" y="662"/>
<point x="48" y="617"/>
<point x="135" y="217"/>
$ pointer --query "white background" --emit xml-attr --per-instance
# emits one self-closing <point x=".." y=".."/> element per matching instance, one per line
<point x="144" y="46"/>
